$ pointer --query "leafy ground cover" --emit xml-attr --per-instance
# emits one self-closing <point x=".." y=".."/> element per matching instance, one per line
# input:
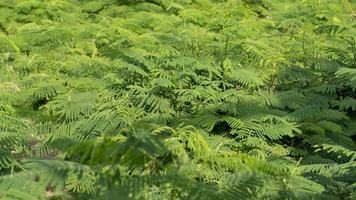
<point x="181" y="99"/>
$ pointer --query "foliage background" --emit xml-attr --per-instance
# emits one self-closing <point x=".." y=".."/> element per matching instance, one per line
<point x="183" y="99"/>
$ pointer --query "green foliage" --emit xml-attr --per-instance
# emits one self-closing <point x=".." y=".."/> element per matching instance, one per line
<point x="183" y="99"/>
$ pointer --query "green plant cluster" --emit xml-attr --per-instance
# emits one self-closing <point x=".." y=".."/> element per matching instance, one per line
<point x="177" y="99"/>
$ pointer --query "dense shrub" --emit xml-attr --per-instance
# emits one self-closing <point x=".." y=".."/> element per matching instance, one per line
<point x="181" y="99"/>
